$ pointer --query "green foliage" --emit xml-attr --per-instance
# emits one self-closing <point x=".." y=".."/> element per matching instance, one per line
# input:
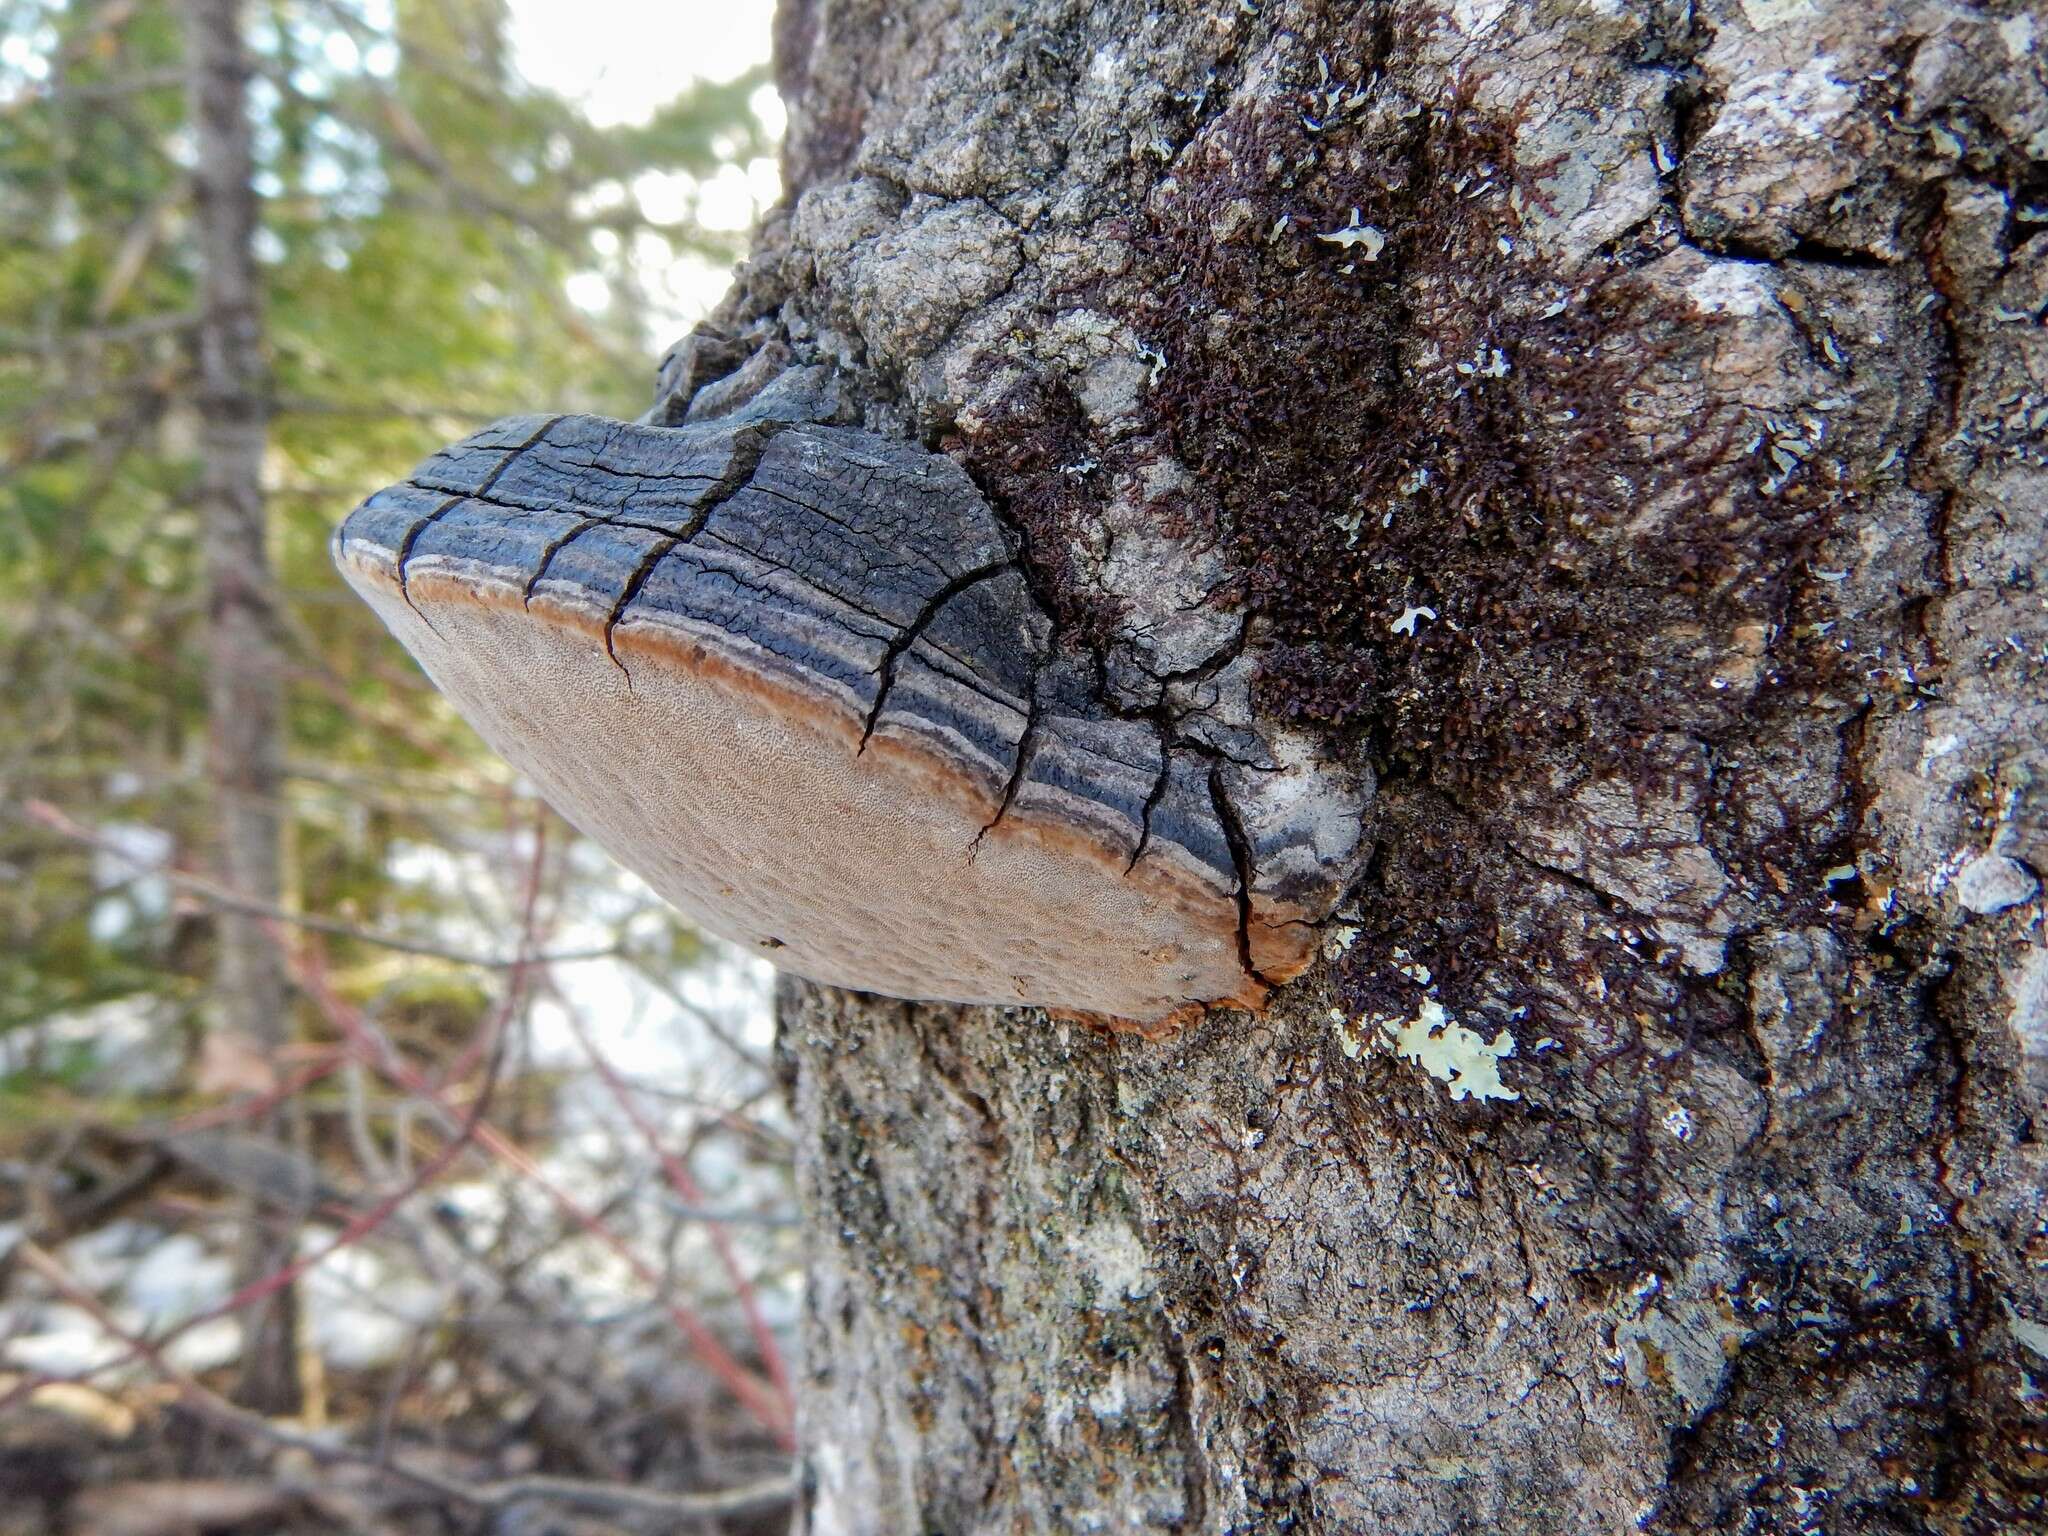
<point x="423" y="214"/>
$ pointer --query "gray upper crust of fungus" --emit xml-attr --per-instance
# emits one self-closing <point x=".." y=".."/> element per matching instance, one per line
<point x="858" y="623"/>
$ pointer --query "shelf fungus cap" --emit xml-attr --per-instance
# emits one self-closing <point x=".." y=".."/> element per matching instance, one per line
<point x="792" y="676"/>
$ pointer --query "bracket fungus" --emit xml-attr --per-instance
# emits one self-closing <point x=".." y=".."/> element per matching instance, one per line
<point x="793" y="676"/>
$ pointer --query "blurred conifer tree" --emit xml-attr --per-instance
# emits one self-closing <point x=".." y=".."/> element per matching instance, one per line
<point x="423" y="218"/>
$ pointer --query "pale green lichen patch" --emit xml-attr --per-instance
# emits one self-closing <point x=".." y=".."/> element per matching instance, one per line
<point x="1116" y="1256"/>
<point x="1465" y="1061"/>
<point x="1371" y="240"/>
<point x="2031" y="1334"/>
<point x="1461" y="1058"/>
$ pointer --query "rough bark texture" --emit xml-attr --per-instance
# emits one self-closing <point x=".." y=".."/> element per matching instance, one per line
<point x="1619" y="428"/>
<point x="244" y="694"/>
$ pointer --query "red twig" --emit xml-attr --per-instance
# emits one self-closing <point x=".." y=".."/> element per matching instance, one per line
<point x="355" y="1231"/>
<point x="769" y="1402"/>
<point x="358" y="1227"/>
<point x="768" y="1406"/>
<point x="326" y="1064"/>
<point x="769" y="1493"/>
<point x="46" y="815"/>
<point x="681" y="1180"/>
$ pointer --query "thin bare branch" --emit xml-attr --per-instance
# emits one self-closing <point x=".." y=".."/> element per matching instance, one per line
<point x="759" y="1497"/>
<point x="216" y="895"/>
<point x="684" y="1183"/>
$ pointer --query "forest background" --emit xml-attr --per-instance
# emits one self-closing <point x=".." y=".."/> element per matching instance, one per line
<point x="321" y="1202"/>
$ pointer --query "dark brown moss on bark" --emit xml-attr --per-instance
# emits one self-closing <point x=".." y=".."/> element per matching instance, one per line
<point x="1354" y="445"/>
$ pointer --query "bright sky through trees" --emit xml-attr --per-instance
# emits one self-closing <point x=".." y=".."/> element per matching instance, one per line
<point x="572" y="47"/>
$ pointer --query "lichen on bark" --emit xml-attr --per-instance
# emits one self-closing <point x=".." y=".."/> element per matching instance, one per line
<point x="1693" y="384"/>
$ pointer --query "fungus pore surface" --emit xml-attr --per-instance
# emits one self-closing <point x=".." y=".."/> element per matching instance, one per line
<point x="792" y="675"/>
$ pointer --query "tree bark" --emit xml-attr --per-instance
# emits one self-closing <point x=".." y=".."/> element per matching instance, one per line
<point x="244" y="691"/>
<point x="1619" y="429"/>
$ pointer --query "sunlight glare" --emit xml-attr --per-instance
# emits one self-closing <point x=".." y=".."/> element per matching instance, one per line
<point x="622" y="59"/>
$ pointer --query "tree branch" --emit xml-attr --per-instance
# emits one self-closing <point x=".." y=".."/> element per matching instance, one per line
<point x="759" y="1497"/>
<point x="46" y="815"/>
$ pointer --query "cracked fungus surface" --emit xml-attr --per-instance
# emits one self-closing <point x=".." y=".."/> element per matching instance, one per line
<point x="794" y="677"/>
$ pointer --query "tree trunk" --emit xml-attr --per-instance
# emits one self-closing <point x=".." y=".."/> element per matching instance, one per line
<point x="1619" y="429"/>
<point x="244" y="693"/>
